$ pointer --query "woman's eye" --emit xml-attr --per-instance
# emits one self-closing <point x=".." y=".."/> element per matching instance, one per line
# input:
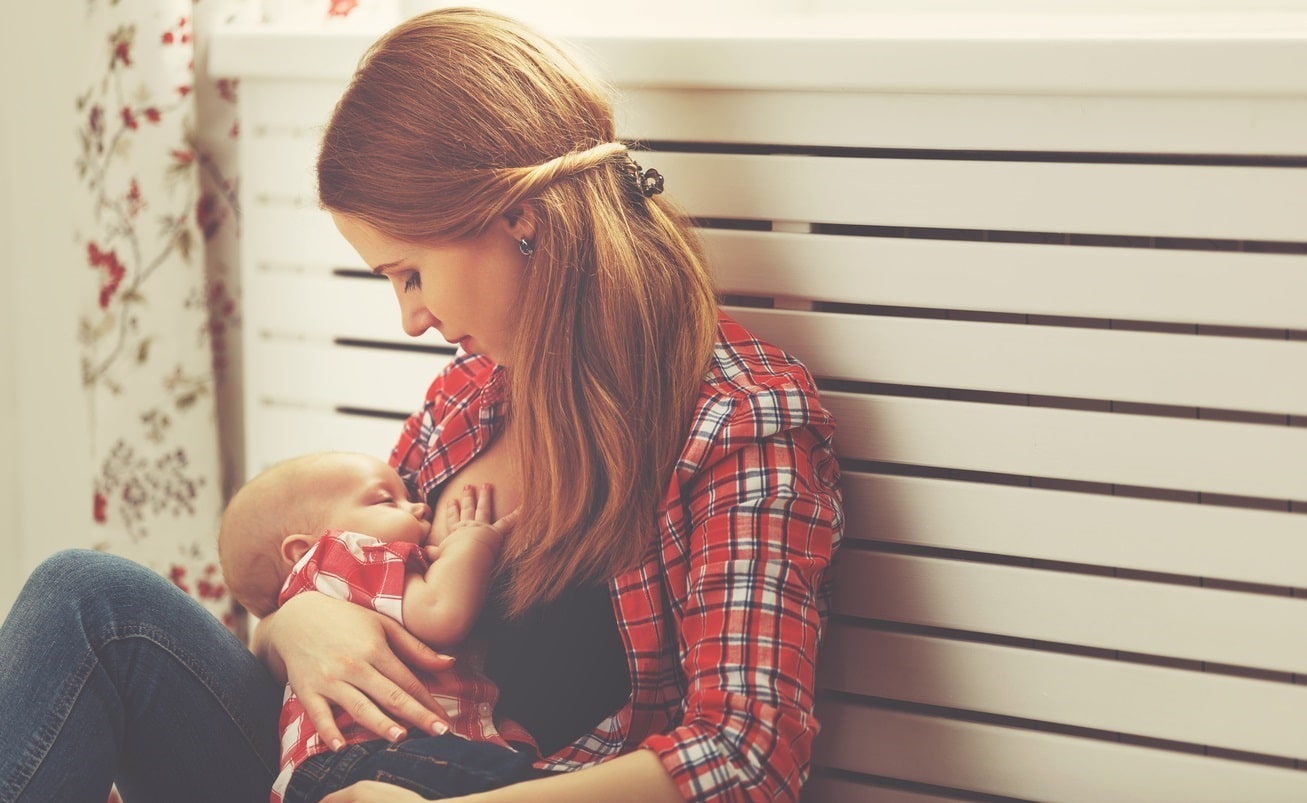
<point x="413" y="281"/>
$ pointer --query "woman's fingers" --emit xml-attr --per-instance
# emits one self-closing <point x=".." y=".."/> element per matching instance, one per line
<point x="367" y="701"/>
<point x="396" y="688"/>
<point x="320" y="713"/>
<point x="343" y="657"/>
<point x="365" y="712"/>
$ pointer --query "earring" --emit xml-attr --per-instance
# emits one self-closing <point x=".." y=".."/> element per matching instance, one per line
<point x="524" y="245"/>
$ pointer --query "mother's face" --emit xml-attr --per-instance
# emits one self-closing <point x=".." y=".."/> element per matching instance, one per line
<point x="468" y="290"/>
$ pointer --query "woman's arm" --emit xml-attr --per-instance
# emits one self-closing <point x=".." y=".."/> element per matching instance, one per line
<point x="338" y="654"/>
<point x="765" y="518"/>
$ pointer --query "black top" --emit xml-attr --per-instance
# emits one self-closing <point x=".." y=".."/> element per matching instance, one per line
<point x="561" y="669"/>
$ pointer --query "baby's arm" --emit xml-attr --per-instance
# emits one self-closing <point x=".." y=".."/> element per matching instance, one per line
<point x="441" y="604"/>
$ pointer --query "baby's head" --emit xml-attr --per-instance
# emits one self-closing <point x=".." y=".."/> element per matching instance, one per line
<point x="278" y="515"/>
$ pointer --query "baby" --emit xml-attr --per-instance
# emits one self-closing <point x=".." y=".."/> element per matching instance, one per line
<point x="342" y="524"/>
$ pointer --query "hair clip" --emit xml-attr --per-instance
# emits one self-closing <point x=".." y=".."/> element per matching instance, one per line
<point x="651" y="181"/>
<point x="646" y="182"/>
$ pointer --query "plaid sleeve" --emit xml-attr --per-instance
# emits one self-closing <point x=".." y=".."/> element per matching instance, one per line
<point x="767" y="517"/>
<point x="357" y="568"/>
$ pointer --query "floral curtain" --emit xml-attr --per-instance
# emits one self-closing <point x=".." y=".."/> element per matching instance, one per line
<point x="158" y="221"/>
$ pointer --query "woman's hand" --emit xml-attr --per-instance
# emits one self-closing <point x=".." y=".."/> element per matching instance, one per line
<point x="372" y="792"/>
<point x="339" y="655"/>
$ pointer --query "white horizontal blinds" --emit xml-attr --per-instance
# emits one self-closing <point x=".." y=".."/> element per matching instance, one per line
<point x="1236" y="628"/>
<point x="1151" y="200"/>
<point x="289" y="430"/>
<point x="1066" y="363"/>
<point x="1087" y="363"/>
<point x="1148" y="451"/>
<point x="1074" y="123"/>
<point x="332" y="375"/>
<point x="1220" y="288"/>
<point x="943" y="752"/>
<point x="327" y="365"/>
<point x="1239" y="714"/>
<point x="1242" y="545"/>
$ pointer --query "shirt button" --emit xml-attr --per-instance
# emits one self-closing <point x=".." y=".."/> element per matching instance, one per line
<point x="485" y="709"/>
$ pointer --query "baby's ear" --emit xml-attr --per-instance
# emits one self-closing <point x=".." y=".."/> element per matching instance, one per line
<point x="294" y="546"/>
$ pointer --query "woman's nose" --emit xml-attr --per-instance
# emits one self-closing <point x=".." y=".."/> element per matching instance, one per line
<point x="417" y="321"/>
<point x="414" y="315"/>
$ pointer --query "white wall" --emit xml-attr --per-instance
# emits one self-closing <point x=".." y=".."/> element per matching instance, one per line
<point x="8" y="352"/>
<point x="44" y="465"/>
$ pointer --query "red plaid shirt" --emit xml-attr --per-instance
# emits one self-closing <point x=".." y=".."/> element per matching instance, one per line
<point x="360" y="569"/>
<point x="723" y="619"/>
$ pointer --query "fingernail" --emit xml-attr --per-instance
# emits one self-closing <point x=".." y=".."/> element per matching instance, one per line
<point x="396" y="734"/>
<point x="336" y="744"/>
<point x="439" y="728"/>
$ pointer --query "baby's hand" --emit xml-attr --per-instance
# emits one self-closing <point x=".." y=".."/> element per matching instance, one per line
<point x="476" y="509"/>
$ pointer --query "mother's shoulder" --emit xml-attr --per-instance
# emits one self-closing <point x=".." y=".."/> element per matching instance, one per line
<point x="744" y="365"/>
<point x="753" y="384"/>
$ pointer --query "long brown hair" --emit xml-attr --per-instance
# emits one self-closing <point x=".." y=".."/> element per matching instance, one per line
<point x="459" y="116"/>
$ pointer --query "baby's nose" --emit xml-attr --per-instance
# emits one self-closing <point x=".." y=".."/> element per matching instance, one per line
<point x="421" y="511"/>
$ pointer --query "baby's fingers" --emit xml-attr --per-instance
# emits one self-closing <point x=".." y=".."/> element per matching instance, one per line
<point x="485" y="505"/>
<point x="453" y="513"/>
<point x="507" y="523"/>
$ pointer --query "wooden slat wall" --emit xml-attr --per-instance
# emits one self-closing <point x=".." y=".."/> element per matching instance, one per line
<point x="1066" y="340"/>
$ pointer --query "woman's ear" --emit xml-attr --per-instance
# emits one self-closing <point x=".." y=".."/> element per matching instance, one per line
<point x="294" y="546"/>
<point x="521" y="221"/>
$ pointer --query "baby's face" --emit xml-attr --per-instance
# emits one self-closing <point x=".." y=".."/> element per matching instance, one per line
<point x="365" y="495"/>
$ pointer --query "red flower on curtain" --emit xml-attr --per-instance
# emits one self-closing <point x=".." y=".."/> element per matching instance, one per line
<point x="120" y="43"/>
<point x="179" y="34"/>
<point x="112" y="269"/>
<point x="342" y="8"/>
<point x="178" y="577"/>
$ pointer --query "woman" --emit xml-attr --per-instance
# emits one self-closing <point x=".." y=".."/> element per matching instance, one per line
<point x="660" y="600"/>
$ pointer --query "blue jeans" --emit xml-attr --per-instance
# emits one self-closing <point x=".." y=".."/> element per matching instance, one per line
<point x="436" y="767"/>
<point x="109" y="674"/>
